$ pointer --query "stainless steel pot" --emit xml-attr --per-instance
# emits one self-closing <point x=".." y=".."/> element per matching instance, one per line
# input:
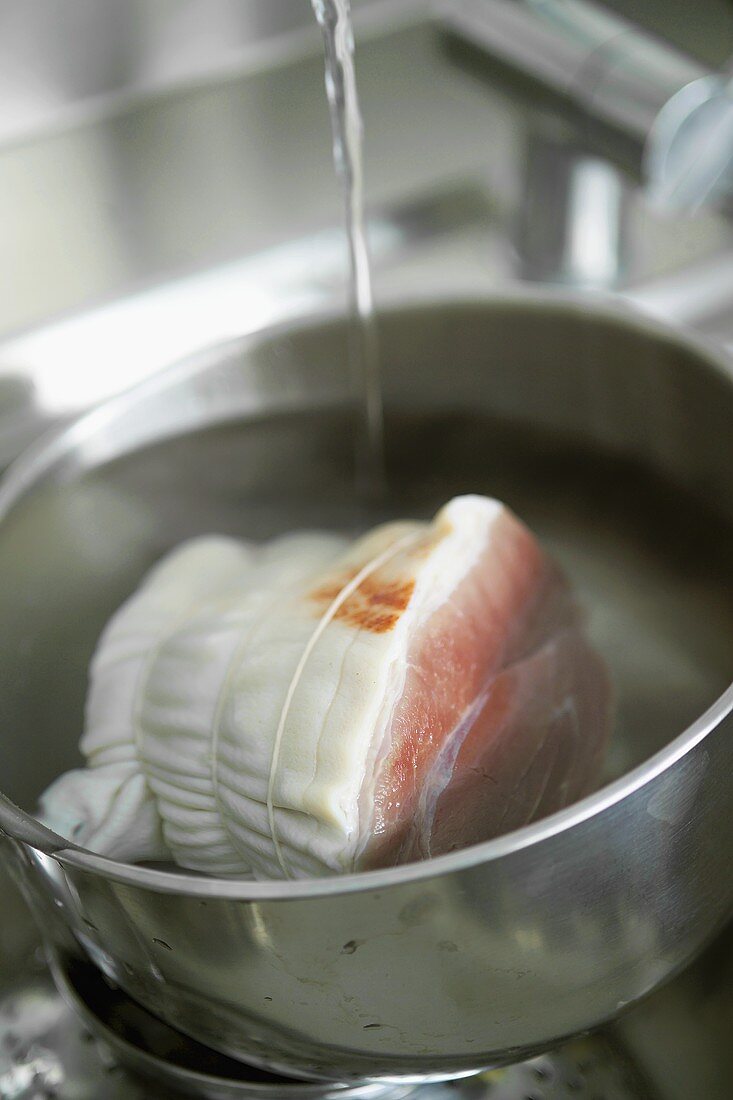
<point x="612" y="437"/>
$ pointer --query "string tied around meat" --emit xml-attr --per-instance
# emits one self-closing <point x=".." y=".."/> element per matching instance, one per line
<point x="329" y="614"/>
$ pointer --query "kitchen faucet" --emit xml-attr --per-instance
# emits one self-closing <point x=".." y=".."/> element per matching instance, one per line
<point x="677" y="113"/>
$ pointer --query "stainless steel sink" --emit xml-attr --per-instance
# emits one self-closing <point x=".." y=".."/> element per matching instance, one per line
<point x="158" y="221"/>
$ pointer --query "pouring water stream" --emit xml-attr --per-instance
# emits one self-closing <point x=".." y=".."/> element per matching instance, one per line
<point x="334" y="19"/>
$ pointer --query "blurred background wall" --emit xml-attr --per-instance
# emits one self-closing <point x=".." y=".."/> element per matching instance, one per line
<point x="57" y="54"/>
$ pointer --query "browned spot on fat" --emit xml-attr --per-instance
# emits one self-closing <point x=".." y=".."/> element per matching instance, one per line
<point x="378" y="602"/>
<point x="375" y="606"/>
<point x="364" y="619"/>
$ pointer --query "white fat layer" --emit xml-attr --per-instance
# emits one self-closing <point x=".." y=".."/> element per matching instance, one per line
<point x="189" y="684"/>
<point x="340" y="718"/>
<point x="110" y="806"/>
<point x="183" y="716"/>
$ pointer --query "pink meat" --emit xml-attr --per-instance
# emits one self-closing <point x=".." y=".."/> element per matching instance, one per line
<point x="505" y="711"/>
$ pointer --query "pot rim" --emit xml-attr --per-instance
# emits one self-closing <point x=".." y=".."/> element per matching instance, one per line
<point x="42" y="456"/>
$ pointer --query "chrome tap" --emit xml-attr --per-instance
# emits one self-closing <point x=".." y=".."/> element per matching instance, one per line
<point x="688" y="157"/>
<point x="679" y="116"/>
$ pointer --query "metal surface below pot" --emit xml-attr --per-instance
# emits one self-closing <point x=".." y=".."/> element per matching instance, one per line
<point x="152" y="1051"/>
<point x="611" y="437"/>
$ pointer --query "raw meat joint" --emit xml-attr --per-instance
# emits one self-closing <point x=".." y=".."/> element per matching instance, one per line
<point x="312" y="706"/>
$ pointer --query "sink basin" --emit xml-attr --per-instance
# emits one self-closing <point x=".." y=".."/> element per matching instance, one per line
<point x="158" y="223"/>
